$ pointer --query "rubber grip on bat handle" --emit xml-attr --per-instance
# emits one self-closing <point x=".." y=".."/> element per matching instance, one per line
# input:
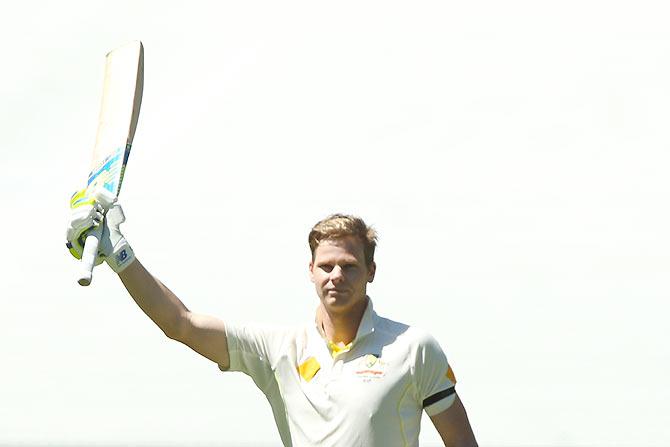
<point x="88" y="257"/>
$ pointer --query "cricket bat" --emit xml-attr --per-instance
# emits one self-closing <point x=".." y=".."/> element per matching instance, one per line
<point x="119" y="111"/>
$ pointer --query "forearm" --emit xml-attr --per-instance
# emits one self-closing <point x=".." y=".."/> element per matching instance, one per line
<point x="156" y="300"/>
<point x="454" y="427"/>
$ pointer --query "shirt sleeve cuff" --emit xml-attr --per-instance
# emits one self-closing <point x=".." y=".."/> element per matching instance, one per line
<point x="439" y="401"/>
<point x="231" y="340"/>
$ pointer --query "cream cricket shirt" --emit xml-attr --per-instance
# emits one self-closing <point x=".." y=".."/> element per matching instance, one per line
<point x="370" y="393"/>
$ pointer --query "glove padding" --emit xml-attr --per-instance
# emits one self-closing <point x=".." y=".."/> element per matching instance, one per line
<point x="87" y="214"/>
<point x="90" y="213"/>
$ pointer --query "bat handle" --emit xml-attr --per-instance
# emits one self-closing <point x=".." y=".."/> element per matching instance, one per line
<point x="88" y="256"/>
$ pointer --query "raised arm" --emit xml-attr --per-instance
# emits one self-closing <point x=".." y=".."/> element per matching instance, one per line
<point x="204" y="334"/>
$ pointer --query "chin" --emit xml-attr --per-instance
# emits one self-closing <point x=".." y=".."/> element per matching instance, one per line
<point x="336" y="301"/>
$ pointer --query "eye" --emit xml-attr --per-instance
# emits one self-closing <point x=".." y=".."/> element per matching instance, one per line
<point x="326" y="267"/>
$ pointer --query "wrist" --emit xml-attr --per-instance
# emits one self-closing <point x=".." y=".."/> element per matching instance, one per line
<point x="122" y="256"/>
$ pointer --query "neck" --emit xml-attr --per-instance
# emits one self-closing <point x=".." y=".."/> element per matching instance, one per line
<point x="341" y="327"/>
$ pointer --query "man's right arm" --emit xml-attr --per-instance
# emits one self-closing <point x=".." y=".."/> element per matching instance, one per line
<point x="204" y="334"/>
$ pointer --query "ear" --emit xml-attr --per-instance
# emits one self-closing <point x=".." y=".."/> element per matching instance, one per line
<point x="372" y="269"/>
<point x="311" y="271"/>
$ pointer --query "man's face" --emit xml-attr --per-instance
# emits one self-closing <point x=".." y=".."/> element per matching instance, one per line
<point x="340" y="275"/>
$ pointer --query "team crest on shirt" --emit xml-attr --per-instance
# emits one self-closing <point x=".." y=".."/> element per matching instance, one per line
<point x="370" y="367"/>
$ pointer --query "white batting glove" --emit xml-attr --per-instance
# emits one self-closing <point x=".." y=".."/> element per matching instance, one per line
<point x="86" y="213"/>
<point x="89" y="212"/>
<point x="114" y="248"/>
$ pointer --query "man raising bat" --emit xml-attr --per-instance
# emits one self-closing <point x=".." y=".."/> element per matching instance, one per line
<point x="348" y="378"/>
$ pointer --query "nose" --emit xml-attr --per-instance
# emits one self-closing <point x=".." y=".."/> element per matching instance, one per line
<point x="336" y="275"/>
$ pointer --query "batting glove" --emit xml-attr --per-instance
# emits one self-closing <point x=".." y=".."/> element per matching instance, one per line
<point x="86" y="213"/>
<point x="89" y="212"/>
<point x="113" y="247"/>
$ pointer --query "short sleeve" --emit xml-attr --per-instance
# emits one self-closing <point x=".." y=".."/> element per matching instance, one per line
<point x="434" y="377"/>
<point x="253" y="350"/>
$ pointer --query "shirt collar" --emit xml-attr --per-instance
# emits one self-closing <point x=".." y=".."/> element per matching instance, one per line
<point x="365" y="327"/>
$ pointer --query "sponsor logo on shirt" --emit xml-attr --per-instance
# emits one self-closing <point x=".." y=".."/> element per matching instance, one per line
<point x="308" y="369"/>
<point x="370" y="367"/>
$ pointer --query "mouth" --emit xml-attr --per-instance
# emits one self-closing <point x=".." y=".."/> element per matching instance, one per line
<point x="335" y="291"/>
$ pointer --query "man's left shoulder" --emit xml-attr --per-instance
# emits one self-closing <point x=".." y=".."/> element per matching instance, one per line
<point x="405" y="334"/>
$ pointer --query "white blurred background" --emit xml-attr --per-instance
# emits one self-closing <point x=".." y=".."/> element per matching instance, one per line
<point x="512" y="155"/>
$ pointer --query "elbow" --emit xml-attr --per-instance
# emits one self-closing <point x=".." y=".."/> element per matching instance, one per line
<point x="177" y="329"/>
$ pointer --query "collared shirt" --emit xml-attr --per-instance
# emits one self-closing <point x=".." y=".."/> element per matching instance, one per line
<point x="370" y="394"/>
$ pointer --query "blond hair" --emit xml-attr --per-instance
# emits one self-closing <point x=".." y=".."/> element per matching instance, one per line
<point x="338" y="226"/>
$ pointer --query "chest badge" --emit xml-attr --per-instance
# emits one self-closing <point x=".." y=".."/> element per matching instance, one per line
<point x="370" y="367"/>
<point x="308" y="369"/>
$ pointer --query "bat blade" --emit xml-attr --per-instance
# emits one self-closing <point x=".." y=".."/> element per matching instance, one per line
<point x="119" y="112"/>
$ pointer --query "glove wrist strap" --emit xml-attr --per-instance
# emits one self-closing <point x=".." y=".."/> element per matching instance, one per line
<point x="122" y="257"/>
